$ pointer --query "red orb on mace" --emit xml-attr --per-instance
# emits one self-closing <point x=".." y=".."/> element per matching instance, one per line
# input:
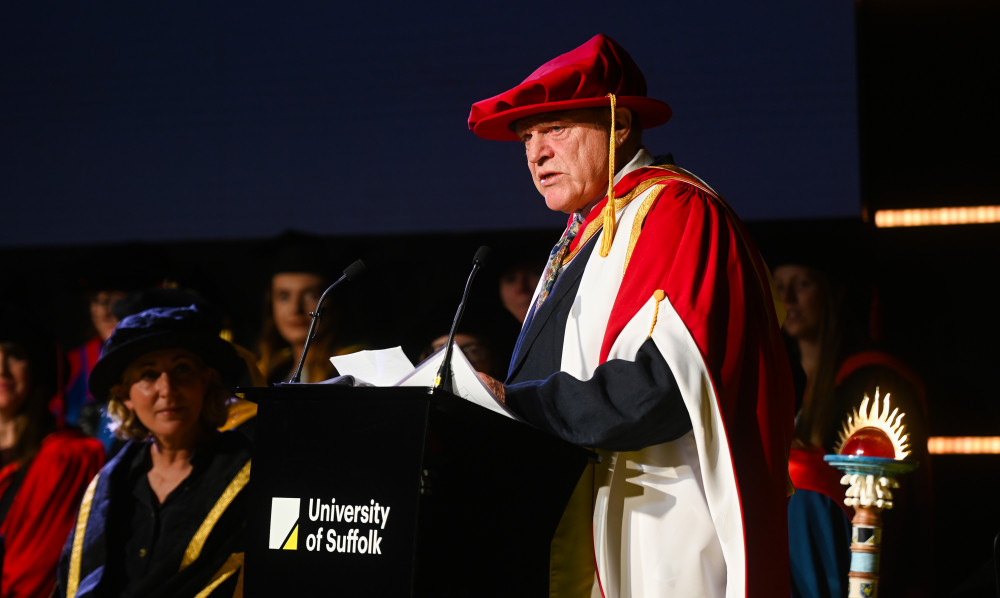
<point x="869" y="442"/>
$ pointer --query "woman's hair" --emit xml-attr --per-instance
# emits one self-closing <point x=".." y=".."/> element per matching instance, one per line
<point x="126" y="425"/>
<point x="842" y="331"/>
<point x="811" y="421"/>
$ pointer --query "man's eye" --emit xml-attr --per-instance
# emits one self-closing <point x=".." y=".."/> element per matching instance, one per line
<point x="149" y="375"/>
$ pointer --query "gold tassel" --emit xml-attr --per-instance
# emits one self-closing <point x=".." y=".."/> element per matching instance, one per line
<point x="608" y="234"/>
<point x="659" y="295"/>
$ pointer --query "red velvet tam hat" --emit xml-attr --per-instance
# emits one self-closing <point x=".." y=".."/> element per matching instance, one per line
<point x="580" y="78"/>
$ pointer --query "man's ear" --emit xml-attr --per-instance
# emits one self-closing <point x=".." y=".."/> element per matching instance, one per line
<point x="623" y="125"/>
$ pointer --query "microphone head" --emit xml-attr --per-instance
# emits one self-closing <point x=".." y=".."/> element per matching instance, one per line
<point x="482" y="254"/>
<point x="354" y="270"/>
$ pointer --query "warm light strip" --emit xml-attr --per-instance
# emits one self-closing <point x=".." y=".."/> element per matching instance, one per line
<point x="937" y="216"/>
<point x="964" y="445"/>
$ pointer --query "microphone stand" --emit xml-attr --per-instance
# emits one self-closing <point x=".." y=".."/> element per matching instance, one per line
<point x="445" y="381"/>
<point x="350" y="273"/>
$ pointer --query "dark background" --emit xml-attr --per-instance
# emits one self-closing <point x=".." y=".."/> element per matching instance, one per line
<point x="215" y="120"/>
<point x="180" y="141"/>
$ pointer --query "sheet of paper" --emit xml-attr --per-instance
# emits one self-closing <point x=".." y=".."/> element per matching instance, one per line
<point x="391" y="367"/>
<point x="468" y="384"/>
<point x="380" y="367"/>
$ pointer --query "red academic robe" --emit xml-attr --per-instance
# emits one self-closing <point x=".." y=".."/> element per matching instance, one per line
<point x="43" y="510"/>
<point x="689" y="277"/>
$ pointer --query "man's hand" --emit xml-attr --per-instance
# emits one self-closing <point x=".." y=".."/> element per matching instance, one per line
<point x="495" y="386"/>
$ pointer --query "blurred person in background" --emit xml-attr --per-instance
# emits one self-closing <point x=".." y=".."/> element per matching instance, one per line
<point x="299" y="274"/>
<point x="517" y="287"/>
<point x="476" y="347"/>
<point x="833" y="331"/>
<point x="44" y="469"/>
<point x="78" y="407"/>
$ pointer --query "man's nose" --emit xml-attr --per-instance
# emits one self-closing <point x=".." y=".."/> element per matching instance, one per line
<point x="537" y="150"/>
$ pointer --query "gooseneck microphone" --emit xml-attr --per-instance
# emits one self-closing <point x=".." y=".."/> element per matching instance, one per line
<point x="350" y="273"/>
<point x="444" y="380"/>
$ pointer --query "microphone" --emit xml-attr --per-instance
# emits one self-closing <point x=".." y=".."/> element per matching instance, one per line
<point x="444" y="380"/>
<point x="350" y="273"/>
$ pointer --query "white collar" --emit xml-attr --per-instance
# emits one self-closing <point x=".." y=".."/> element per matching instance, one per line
<point x="640" y="159"/>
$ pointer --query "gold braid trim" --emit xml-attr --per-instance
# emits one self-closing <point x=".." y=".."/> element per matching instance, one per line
<point x="76" y="556"/>
<point x="239" y="412"/>
<point x="597" y="224"/>
<point x="234" y="562"/>
<point x="198" y="541"/>
<point x="640" y="218"/>
<point x="687" y="177"/>
<point x="609" y="208"/>
<point x="659" y="295"/>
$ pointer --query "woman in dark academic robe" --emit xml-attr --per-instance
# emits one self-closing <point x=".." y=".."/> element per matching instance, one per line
<point x="167" y="515"/>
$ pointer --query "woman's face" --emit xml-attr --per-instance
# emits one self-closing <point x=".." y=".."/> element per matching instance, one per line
<point x="293" y="296"/>
<point x="15" y="379"/>
<point x="166" y="390"/>
<point x="801" y="291"/>
<point x="517" y="285"/>
<point x="100" y="312"/>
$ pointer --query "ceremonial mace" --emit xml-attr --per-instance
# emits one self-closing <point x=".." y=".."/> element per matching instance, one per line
<point x="871" y="451"/>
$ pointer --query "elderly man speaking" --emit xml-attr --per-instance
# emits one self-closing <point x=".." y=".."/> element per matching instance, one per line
<point x="653" y="338"/>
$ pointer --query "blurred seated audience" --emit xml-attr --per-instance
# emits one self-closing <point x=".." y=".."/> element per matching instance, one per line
<point x="44" y="470"/>
<point x="167" y="515"/>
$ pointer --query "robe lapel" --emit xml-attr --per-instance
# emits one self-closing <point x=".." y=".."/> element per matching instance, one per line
<point x="536" y="322"/>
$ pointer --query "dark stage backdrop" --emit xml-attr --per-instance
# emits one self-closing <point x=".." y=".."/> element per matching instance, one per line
<point x="174" y="121"/>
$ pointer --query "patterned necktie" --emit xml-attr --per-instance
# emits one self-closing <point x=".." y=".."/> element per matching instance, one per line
<point x="556" y="258"/>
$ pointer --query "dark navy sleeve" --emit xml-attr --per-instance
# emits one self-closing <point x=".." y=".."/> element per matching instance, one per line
<point x="625" y="406"/>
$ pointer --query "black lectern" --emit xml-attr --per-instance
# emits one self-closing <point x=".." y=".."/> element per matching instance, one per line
<point x="395" y="492"/>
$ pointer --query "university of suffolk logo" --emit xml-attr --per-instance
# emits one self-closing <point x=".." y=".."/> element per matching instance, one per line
<point x="284" y="523"/>
<point x="328" y="526"/>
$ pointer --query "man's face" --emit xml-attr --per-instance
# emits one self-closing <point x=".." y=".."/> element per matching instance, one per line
<point x="568" y="157"/>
